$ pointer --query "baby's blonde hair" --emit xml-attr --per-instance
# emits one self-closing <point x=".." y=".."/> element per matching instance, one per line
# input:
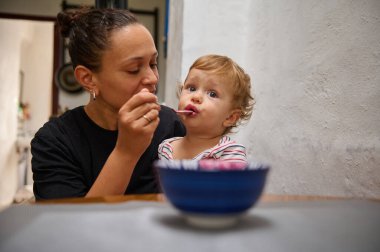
<point x="225" y="67"/>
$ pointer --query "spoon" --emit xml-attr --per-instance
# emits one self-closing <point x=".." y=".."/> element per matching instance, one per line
<point x="184" y="111"/>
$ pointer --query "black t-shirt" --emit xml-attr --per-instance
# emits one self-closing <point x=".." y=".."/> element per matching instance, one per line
<point x="69" y="152"/>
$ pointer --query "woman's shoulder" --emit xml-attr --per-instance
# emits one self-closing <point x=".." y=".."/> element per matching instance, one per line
<point x="168" y="113"/>
<point x="62" y="124"/>
<point x="170" y="123"/>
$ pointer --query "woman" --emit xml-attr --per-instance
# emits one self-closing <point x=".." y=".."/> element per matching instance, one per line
<point x="107" y="146"/>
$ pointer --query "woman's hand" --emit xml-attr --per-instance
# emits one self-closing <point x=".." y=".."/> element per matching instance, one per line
<point x="135" y="132"/>
<point x="137" y="122"/>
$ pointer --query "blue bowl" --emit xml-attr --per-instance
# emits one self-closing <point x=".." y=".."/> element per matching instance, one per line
<point x="211" y="187"/>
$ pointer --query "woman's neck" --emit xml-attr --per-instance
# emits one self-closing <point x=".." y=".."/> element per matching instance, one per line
<point x="103" y="116"/>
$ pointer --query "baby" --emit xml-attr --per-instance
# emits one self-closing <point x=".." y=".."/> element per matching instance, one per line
<point x="215" y="98"/>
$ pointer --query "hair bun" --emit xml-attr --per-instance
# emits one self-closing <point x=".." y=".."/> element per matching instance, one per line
<point x="65" y="22"/>
<point x="67" y="19"/>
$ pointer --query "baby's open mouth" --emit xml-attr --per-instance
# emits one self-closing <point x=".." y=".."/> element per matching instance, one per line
<point x="189" y="110"/>
<point x="192" y="108"/>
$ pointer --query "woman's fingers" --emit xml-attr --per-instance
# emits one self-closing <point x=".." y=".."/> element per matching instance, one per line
<point x="139" y="105"/>
<point x="141" y="98"/>
<point x="150" y="116"/>
<point x="138" y="120"/>
<point x="141" y="116"/>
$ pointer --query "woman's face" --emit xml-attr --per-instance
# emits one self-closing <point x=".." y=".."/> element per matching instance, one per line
<point x="127" y="66"/>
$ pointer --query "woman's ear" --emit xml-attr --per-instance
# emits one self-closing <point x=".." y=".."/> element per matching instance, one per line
<point x="232" y="118"/>
<point x="85" y="77"/>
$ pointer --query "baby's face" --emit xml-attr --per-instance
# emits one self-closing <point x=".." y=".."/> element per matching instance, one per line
<point x="209" y="96"/>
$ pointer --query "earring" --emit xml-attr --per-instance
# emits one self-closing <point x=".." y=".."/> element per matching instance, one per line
<point x="93" y="95"/>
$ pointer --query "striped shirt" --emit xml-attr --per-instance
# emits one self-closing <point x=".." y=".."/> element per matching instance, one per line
<point x="226" y="150"/>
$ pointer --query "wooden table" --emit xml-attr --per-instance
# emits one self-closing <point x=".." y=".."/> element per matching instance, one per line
<point x="161" y="198"/>
<point x="149" y="223"/>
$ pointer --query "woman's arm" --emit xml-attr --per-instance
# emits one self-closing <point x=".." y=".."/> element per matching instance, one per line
<point x="135" y="133"/>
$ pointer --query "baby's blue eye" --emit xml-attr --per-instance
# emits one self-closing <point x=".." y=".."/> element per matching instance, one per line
<point x="213" y="94"/>
<point x="192" y="89"/>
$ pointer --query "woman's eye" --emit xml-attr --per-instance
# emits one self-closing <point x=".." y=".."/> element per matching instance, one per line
<point x="133" y="71"/>
<point x="154" y="65"/>
<point x="213" y="94"/>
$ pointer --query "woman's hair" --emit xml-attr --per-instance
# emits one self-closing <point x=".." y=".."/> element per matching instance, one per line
<point x="89" y="32"/>
<point x="239" y="80"/>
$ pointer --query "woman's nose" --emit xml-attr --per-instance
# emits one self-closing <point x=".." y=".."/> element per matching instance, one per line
<point x="151" y="77"/>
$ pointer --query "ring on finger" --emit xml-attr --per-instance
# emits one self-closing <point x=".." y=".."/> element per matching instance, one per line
<point x="147" y="118"/>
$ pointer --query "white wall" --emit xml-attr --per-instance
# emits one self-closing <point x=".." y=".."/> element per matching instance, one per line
<point x="315" y="71"/>
<point x="23" y="49"/>
<point x="37" y="64"/>
<point x="9" y="93"/>
<point x="28" y="48"/>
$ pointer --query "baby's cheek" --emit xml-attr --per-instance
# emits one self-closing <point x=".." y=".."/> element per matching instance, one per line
<point x="182" y="102"/>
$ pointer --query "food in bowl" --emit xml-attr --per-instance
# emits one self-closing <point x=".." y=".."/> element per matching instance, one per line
<point x="211" y="193"/>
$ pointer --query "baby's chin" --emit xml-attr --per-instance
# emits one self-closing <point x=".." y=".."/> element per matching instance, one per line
<point x="202" y="133"/>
